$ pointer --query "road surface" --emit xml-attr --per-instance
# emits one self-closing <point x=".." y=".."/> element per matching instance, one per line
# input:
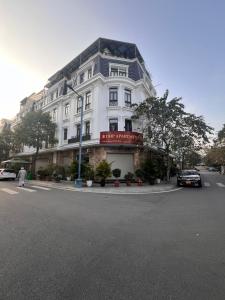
<point x="57" y="244"/>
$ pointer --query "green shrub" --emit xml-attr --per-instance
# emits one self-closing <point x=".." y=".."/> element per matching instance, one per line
<point x="149" y="170"/>
<point x="139" y="174"/>
<point x="74" y="169"/>
<point x="129" y="176"/>
<point x="89" y="173"/>
<point x="116" y="173"/>
<point x="103" y="171"/>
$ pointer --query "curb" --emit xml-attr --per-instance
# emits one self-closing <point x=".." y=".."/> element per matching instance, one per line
<point x="112" y="190"/>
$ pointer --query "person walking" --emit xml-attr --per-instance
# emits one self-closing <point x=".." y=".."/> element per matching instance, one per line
<point x="22" y="175"/>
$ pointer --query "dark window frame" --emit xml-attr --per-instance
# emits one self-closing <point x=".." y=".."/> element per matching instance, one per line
<point x="127" y="97"/>
<point x="87" y="127"/>
<point x="113" y="96"/>
<point x="79" y="105"/>
<point x="88" y="100"/>
<point x="78" y="130"/>
<point x="89" y="73"/>
<point x="65" y="134"/>
<point x="113" y="124"/>
<point x="81" y="78"/>
<point x="128" y="125"/>
<point x="66" y="109"/>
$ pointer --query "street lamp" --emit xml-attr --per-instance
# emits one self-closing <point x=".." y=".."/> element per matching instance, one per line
<point x="78" y="181"/>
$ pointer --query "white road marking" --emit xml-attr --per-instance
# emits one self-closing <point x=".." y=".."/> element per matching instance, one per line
<point x="40" y="187"/>
<point x="11" y="192"/>
<point x="207" y="184"/>
<point x="220" y="184"/>
<point x="26" y="189"/>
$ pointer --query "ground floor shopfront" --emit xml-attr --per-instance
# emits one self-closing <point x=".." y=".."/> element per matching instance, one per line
<point x="124" y="150"/>
<point x="128" y="159"/>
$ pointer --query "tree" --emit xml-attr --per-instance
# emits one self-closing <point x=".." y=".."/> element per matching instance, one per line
<point x="221" y="135"/>
<point x="166" y="124"/>
<point x="7" y="143"/>
<point x="215" y="156"/>
<point x="36" y="127"/>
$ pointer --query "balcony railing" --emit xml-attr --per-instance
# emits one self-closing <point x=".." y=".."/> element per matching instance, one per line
<point x="128" y="104"/>
<point x="113" y="102"/>
<point x="76" y="139"/>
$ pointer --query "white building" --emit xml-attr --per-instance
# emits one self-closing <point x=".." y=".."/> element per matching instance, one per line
<point x="110" y="75"/>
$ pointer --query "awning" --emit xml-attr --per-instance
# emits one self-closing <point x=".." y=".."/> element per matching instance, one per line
<point x="15" y="161"/>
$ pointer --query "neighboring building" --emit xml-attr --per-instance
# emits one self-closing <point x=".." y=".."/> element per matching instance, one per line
<point x="27" y="105"/>
<point x="5" y="123"/>
<point x="111" y="76"/>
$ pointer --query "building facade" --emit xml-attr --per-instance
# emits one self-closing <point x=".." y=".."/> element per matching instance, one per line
<point x="111" y="76"/>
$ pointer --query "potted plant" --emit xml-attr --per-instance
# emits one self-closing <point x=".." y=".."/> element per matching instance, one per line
<point x="89" y="175"/>
<point x="103" y="170"/>
<point x="74" y="170"/>
<point x="58" y="174"/>
<point x="129" y="177"/>
<point x="139" y="174"/>
<point x="116" y="173"/>
<point x="68" y="172"/>
<point x="41" y="174"/>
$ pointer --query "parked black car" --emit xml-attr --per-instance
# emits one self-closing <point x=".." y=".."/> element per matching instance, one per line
<point x="189" y="178"/>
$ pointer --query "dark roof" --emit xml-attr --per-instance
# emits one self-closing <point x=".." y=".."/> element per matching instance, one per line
<point x="116" y="48"/>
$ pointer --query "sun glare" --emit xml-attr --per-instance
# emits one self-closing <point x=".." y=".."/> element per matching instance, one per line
<point x="17" y="83"/>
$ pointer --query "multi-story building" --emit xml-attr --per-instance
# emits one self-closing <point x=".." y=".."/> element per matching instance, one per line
<point x="27" y="105"/>
<point x="111" y="76"/>
<point x="5" y="123"/>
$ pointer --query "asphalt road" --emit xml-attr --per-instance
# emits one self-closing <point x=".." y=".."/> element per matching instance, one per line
<point x="57" y="244"/>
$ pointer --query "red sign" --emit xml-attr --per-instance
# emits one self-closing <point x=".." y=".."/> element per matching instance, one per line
<point x="121" y="137"/>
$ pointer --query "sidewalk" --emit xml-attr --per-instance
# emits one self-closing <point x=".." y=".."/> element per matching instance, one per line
<point x="109" y="188"/>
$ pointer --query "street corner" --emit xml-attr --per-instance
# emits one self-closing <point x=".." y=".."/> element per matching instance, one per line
<point x="132" y="190"/>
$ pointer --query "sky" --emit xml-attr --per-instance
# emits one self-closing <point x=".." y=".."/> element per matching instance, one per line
<point x="182" y="43"/>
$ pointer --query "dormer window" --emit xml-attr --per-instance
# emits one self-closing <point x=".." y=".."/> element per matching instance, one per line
<point x="81" y="77"/>
<point x="89" y="73"/>
<point x="118" y="70"/>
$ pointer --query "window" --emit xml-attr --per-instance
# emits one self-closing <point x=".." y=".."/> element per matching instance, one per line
<point x="81" y="77"/>
<point x="51" y="96"/>
<point x="66" y="109"/>
<point x="113" y="124"/>
<point x="74" y="81"/>
<point x="114" y="72"/>
<point x="113" y="96"/>
<point x="56" y="93"/>
<point x="88" y="100"/>
<point x="89" y="73"/>
<point x="61" y="91"/>
<point x="79" y="105"/>
<point x="128" y="125"/>
<point x="78" y="130"/>
<point x="54" y="114"/>
<point x="65" y="131"/>
<point x="87" y="128"/>
<point x="127" y="97"/>
<point x="118" y="71"/>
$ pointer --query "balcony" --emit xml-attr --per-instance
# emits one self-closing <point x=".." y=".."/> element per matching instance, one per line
<point x="76" y="139"/>
<point x="128" y="104"/>
<point x="113" y="102"/>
